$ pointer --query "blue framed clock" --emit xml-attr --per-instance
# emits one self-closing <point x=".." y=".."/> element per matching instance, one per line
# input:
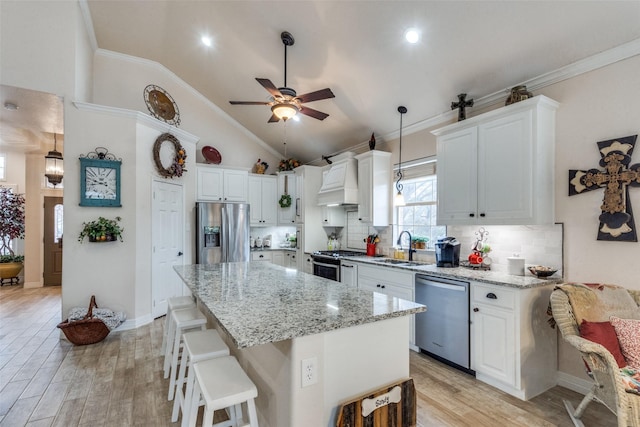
<point x="100" y="182"/>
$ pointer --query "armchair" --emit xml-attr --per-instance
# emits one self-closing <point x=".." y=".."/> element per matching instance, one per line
<point x="602" y="367"/>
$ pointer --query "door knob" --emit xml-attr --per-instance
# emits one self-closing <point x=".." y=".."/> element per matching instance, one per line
<point x="180" y="253"/>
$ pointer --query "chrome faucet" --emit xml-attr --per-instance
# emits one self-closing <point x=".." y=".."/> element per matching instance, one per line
<point x="411" y="250"/>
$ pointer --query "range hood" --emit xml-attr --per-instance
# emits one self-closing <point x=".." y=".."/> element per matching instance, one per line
<point x="340" y="181"/>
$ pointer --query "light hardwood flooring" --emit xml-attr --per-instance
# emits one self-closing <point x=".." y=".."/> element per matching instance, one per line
<point x="46" y="381"/>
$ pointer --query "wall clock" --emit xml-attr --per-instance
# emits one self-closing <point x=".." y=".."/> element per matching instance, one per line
<point x="100" y="182"/>
<point x="161" y="105"/>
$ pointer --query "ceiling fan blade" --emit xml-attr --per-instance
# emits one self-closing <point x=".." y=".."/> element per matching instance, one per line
<point x="313" y="113"/>
<point x="248" y="103"/>
<point x="316" y="96"/>
<point x="270" y="87"/>
<point x="273" y="119"/>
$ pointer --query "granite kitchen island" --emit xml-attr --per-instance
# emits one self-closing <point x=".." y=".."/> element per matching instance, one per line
<point x="275" y="318"/>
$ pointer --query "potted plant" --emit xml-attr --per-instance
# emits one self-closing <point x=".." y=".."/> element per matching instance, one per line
<point x="12" y="207"/>
<point x="102" y="230"/>
<point x="420" y="242"/>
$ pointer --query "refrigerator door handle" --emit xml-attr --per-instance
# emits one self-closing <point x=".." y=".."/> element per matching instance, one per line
<point x="224" y="235"/>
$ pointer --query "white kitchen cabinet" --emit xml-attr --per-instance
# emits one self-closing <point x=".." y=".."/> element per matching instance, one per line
<point x="308" y="263"/>
<point x="512" y="346"/>
<point x="498" y="167"/>
<point x="278" y="258"/>
<point x="333" y="216"/>
<point x="390" y="281"/>
<point x="290" y="260"/>
<point x="262" y="198"/>
<point x="349" y="273"/>
<point x="216" y="184"/>
<point x="262" y="256"/>
<point x="374" y="180"/>
<point x="286" y="182"/>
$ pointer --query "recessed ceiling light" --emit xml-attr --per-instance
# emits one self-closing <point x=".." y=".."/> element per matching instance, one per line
<point x="206" y="40"/>
<point x="10" y="106"/>
<point x="412" y="35"/>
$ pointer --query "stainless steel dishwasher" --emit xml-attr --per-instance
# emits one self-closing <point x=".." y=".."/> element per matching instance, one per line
<point x="443" y="330"/>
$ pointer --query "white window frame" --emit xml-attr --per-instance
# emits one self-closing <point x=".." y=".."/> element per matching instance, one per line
<point x="3" y="167"/>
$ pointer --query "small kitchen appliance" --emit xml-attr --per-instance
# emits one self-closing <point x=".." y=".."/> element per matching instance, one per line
<point x="447" y="252"/>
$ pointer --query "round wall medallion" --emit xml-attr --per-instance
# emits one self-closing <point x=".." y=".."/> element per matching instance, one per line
<point x="161" y="105"/>
<point x="177" y="167"/>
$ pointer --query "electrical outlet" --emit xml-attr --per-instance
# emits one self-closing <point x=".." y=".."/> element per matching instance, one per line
<point x="309" y="371"/>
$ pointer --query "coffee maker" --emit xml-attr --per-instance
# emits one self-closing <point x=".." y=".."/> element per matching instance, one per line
<point x="447" y="252"/>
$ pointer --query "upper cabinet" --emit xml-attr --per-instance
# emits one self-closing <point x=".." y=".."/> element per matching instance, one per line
<point x="216" y="184"/>
<point x="262" y="198"/>
<point x="374" y="179"/>
<point x="333" y="216"/>
<point x="498" y="168"/>
<point x="287" y="185"/>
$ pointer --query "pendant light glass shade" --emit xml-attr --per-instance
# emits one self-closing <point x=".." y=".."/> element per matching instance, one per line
<point x="53" y="166"/>
<point x="284" y="111"/>
<point x="398" y="200"/>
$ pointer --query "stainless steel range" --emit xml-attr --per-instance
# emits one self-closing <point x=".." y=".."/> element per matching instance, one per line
<point x="327" y="263"/>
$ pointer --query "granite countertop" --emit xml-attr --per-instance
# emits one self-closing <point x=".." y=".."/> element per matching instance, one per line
<point x="272" y="249"/>
<point x="486" y="276"/>
<point x="258" y="303"/>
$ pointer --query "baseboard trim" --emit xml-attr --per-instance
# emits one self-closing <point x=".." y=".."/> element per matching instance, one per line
<point x="579" y="385"/>
<point x="134" y="323"/>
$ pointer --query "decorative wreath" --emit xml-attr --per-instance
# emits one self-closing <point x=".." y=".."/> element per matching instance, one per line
<point x="285" y="201"/>
<point x="177" y="167"/>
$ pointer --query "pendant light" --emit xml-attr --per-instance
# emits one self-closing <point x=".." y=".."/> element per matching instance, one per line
<point x="398" y="200"/>
<point x="53" y="166"/>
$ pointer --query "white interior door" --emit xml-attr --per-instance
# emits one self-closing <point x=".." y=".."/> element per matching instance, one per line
<point x="167" y="237"/>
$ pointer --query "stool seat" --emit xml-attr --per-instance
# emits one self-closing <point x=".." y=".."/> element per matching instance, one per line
<point x="222" y="383"/>
<point x="198" y="346"/>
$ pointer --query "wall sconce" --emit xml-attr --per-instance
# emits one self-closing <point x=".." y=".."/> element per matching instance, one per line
<point x="53" y="167"/>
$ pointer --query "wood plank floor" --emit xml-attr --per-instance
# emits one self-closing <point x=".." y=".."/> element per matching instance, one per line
<point x="45" y="381"/>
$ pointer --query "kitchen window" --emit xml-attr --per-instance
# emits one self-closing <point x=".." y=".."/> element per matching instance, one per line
<point x="419" y="215"/>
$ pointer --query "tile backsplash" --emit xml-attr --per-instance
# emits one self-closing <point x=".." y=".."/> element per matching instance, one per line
<point x="278" y="234"/>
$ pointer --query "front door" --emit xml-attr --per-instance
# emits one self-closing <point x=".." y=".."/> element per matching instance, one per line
<point x="52" y="274"/>
<point x="167" y="243"/>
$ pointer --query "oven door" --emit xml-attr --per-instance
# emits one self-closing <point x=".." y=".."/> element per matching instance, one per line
<point x="325" y="269"/>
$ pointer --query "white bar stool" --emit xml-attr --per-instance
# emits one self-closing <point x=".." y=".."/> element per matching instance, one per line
<point x="221" y="383"/>
<point x="181" y="321"/>
<point x="174" y="303"/>
<point x="198" y="346"/>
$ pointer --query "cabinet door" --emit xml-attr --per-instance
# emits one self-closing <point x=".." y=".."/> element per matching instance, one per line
<point x="210" y="184"/>
<point x="457" y="177"/>
<point x="235" y="185"/>
<point x="308" y="264"/>
<point x="333" y="216"/>
<point x="494" y="343"/>
<point x="287" y="216"/>
<point x="278" y="258"/>
<point x="365" y="190"/>
<point x="269" y="201"/>
<point x="255" y="199"/>
<point x="505" y="156"/>
<point x="292" y="261"/>
<point x="349" y="273"/>
<point x="368" y="284"/>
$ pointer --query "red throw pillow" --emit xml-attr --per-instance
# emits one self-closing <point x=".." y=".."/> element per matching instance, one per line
<point x="604" y="334"/>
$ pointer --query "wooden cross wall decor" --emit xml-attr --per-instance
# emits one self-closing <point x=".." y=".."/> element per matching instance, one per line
<point x="616" y="219"/>
<point x="461" y="105"/>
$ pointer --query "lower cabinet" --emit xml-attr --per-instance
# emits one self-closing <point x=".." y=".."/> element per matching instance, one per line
<point x="349" y="273"/>
<point x="308" y="263"/>
<point x="512" y="346"/>
<point x="390" y="281"/>
<point x="262" y="256"/>
<point x="290" y="260"/>
<point x="278" y="258"/>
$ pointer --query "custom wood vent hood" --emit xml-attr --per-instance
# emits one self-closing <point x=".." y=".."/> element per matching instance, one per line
<point x="340" y="181"/>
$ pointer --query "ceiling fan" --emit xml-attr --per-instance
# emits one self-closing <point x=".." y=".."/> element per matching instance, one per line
<point x="286" y="103"/>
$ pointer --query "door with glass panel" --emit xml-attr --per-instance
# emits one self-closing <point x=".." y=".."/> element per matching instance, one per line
<point x="53" y="219"/>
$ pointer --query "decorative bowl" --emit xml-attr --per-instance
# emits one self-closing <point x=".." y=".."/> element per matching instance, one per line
<point x="542" y="271"/>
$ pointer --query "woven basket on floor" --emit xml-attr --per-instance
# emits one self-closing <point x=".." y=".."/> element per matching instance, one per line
<point x="88" y="330"/>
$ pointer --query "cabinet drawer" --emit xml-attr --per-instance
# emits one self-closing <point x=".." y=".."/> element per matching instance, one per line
<point x="484" y="294"/>
<point x="389" y="275"/>
<point x="261" y="256"/>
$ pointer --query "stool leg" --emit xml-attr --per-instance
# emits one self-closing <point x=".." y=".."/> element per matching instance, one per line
<point x="163" y="349"/>
<point x="178" y="385"/>
<point x="253" y="416"/>
<point x="208" y="417"/>
<point x="188" y="396"/>
<point x="174" y="361"/>
<point x="167" y="352"/>
<point x="195" y="403"/>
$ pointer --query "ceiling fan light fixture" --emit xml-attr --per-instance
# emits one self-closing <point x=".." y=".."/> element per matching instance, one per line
<point x="284" y="111"/>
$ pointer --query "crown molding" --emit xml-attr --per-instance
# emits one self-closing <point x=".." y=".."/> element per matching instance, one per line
<point x="140" y="118"/>
<point x="171" y="75"/>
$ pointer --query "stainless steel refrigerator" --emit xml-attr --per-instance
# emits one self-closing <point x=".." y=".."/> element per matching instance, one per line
<point x="222" y="232"/>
